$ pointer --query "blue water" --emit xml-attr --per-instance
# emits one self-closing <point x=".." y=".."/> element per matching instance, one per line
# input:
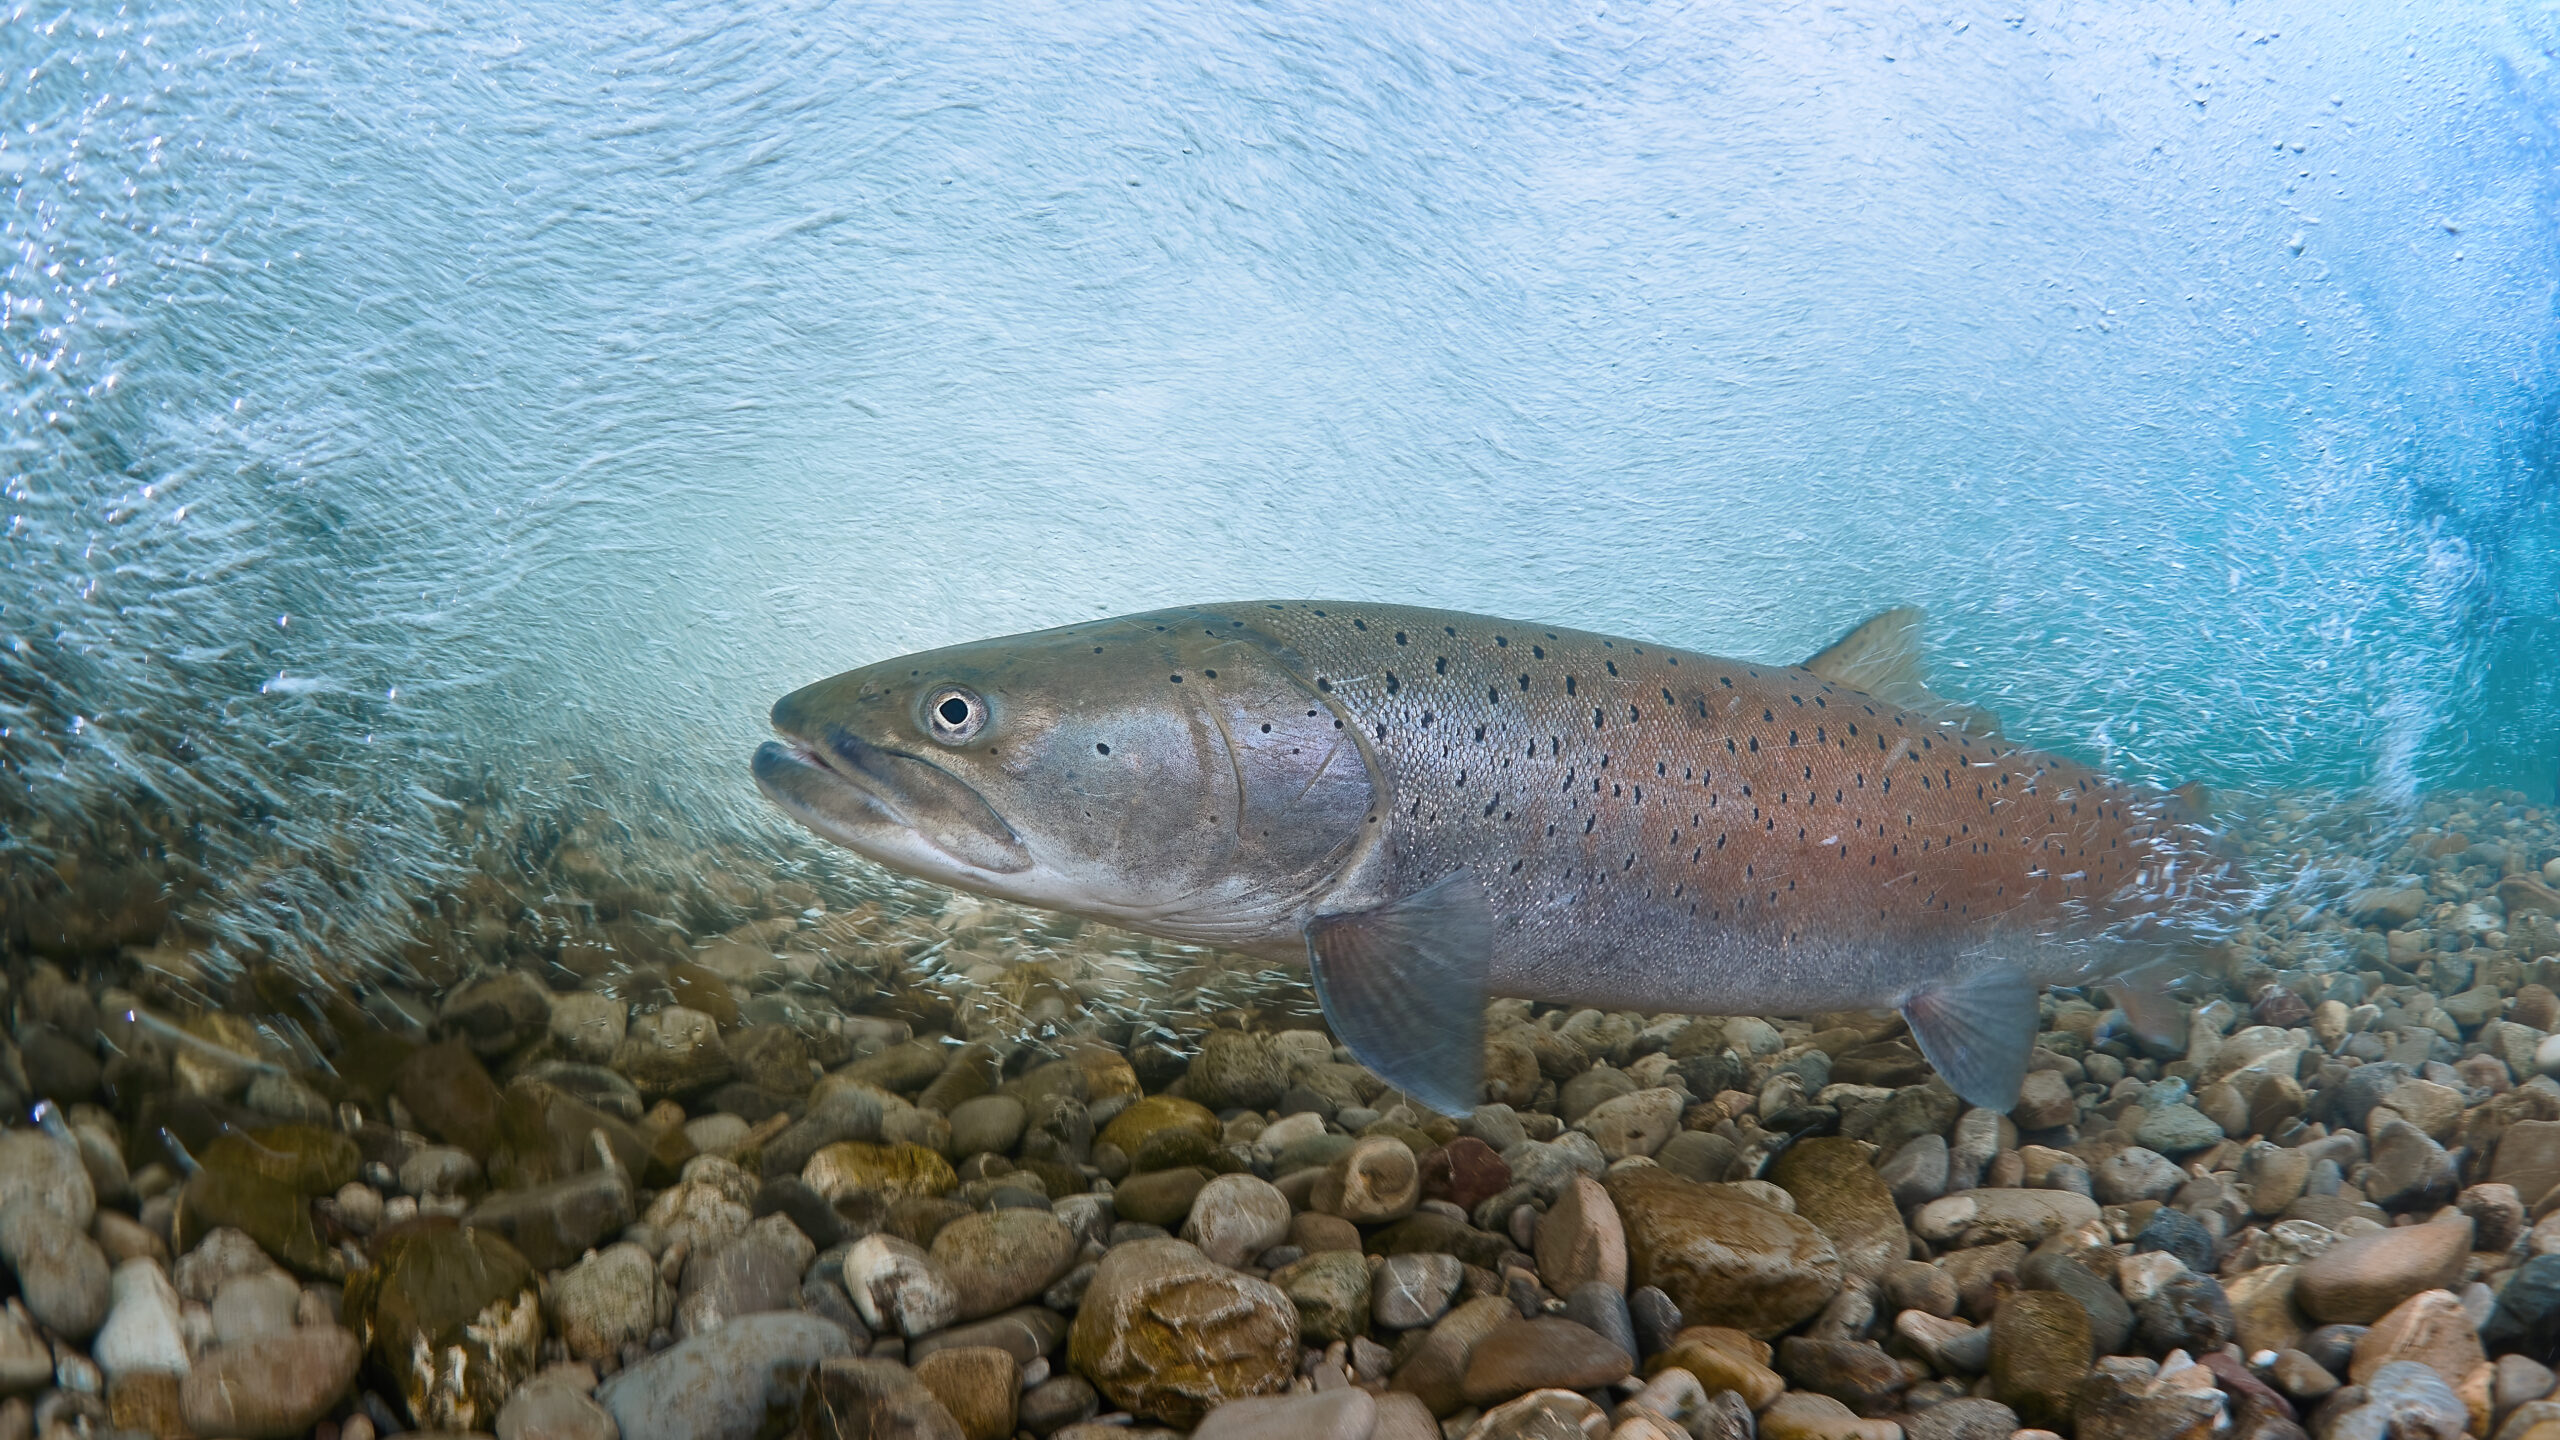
<point x="403" y="399"/>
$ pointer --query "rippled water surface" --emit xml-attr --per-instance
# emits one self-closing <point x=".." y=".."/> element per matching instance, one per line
<point x="432" y="427"/>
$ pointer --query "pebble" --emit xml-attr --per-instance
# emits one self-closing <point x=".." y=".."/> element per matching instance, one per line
<point x="754" y="1271"/>
<point x="1636" y="1123"/>
<point x="1410" y="1291"/>
<point x="1330" y="1291"/>
<point x="274" y="1386"/>
<point x="142" y="1333"/>
<point x="2135" y="1174"/>
<point x="36" y="1167"/>
<point x="2430" y="1328"/>
<point x="1722" y="1258"/>
<point x="998" y="1259"/>
<point x="897" y="1287"/>
<point x="1236" y="1217"/>
<point x="1376" y="1180"/>
<point x="546" y="1410"/>
<point x="719" y="1385"/>
<point x="1330" y="1415"/>
<point x="62" y="1274"/>
<point x="2356" y="1281"/>
<point x="609" y="1300"/>
<point x="1166" y="1332"/>
<point x="1546" y="1353"/>
<point x="2040" y="1349"/>
<point x="2409" y="1401"/>
<point x="980" y="1386"/>
<point x="1580" y="1239"/>
<point x="1975" y="1217"/>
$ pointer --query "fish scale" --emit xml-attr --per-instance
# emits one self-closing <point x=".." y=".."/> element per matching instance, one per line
<point x="1659" y="828"/>
<point x="1428" y="808"/>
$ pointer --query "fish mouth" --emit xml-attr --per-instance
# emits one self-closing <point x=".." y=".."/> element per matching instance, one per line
<point x="893" y="807"/>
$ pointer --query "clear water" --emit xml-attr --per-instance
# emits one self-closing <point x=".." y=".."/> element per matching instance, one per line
<point x="408" y="404"/>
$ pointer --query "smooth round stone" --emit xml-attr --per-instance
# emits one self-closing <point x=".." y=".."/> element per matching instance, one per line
<point x="1581" y="1239"/>
<point x="674" y="1051"/>
<point x="1161" y="1131"/>
<point x="35" y="1166"/>
<point x="62" y="1274"/>
<point x="1967" y="1419"/>
<point x="2135" y="1173"/>
<point x="988" y="1124"/>
<point x="1159" y="1197"/>
<point x="893" y="1170"/>
<point x="712" y="1134"/>
<point x="1636" y="1123"/>
<point x="1166" y="1332"/>
<point x="1800" y="1415"/>
<point x="1001" y="1258"/>
<point x="277" y="1386"/>
<point x="756" y="1271"/>
<point x="1410" y="1291"/>
<point x="1236" y="1217"/>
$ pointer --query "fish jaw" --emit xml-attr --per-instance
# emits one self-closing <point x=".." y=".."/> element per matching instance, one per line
<point x="895" y="809"/>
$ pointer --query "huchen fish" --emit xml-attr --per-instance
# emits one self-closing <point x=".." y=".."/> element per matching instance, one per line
<point x="1429" y="808"/>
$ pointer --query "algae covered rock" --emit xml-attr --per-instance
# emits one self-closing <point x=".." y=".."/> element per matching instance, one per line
<point x="1724" y="1258"/>
<point x="1166" y="1332"/>
<point x="452" y="1315"/>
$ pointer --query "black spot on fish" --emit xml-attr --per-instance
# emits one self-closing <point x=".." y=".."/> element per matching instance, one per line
<point x="1178" y="680"/>
<point x="1393" y="684"/>
<point x="1101" y="749"/>
<point x="1440" y="666"/>
<point x="1323" y="684"/>
<point x="1359" y="624"/>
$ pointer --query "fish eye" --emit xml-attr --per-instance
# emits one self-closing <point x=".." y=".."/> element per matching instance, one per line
<point x="955" y="715"/>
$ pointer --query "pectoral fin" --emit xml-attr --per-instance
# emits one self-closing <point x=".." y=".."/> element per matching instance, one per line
<point x="1977" y="1032"/>
<point x="1404" y="986"/>
<point x="2158" y="1020"/>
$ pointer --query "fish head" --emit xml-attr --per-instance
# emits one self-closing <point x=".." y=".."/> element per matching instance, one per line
<point x="1175" y="772"/>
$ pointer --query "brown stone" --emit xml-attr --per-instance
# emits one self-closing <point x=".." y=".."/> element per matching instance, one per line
<point x="1436" y="1370"/>
<point x="1548" y="1353"/>
<point x="1166" y="1332"/>
<point x="2430" y="1328"/>
<point x="1580" y="1239"/>
<point x="275" y="1385"/>
<point x="2359" y="1279"/>
<point x="1724" y="1258"/>
<point x="1721" y="1365"/>
<point x="2039" y="1355"/>
<point x="1466" y="1172"/>
<point x="979" y="1385"/>
<point x="1836" y="1188"/>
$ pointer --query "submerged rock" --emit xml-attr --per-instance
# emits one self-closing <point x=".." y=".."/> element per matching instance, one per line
<point x="452" y="1315"/>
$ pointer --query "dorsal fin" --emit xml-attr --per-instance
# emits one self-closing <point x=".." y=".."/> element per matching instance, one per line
<point x="1882" y="657"/>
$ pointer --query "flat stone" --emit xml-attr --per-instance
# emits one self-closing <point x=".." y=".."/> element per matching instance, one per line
<point x="1026" y="1333"/>
<point x="2264" y="1315"/>
<point x="849" y="1166"/>
<point x="2133" y="1174"/>
<point x="871" y="1398"/>
<point x="1723" y="1258"/>
<point x="1917" y="1172"/>
<point x="552" y="1225"/>
<point x="1967" y="1419"/>
<point x="1159" y="1197"/>
<point x="723" y="1383"/>
<point x="1976" y="1217"/>
<point x="1801" y="1416"/>
<point x="1434" y="1371"/>
<point x="277" y="1386"/>
<point x="1166" y="1332"/>
<point x="1541" y="1354"/>
<point x="2358" y="1280"/>
<point x="1712" y="1355"/>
